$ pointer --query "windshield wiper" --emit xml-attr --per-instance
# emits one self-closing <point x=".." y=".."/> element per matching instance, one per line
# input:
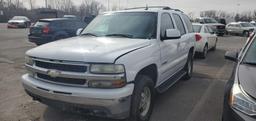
<point x="88" y="34"/>
<point x="250" y="63"/>
<point x="120" y="35"/>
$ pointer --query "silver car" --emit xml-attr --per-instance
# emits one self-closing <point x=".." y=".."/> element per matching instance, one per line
<point x="240" y="28"/>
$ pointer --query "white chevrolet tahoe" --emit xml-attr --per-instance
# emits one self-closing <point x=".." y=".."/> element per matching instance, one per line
<point x="116" y="65"/>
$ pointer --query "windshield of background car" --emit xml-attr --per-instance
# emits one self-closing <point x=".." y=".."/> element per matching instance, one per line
<point x="197" y="28"/>
<point x="246" y="25"/>
<point x="250" y="56"/>
<point x="142" y="25"/>
<point x="208" y="20"/>
<point x="18" y="18"/>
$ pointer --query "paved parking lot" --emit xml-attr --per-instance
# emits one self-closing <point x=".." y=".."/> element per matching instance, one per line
<point x="199" y="99"/>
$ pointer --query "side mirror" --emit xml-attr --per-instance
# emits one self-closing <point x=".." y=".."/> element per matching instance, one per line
<point x="172" y="34"/>
<point x="78" y="32"/>
<point x="232" y="56"/>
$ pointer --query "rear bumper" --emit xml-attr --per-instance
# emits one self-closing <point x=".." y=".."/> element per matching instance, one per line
<point x="112" y="103"/>
<point x="43" y="39"/>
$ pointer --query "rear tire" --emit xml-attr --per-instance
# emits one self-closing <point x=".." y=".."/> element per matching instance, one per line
<point x="142" y="99"/>
<point x="215" y="45"/>
<point x="189" y="67"/>
<point x="204" y="53"/>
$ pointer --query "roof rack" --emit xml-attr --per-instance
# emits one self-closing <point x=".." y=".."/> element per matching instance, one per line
<point x="161" y="7"/>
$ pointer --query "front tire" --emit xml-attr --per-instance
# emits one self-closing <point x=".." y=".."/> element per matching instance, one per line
<point x="142" y="99"/>
<point x="246" y="34"/>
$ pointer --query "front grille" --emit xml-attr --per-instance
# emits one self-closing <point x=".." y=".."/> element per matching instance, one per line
<point x="62" y="79"/>
<point x="61" y="67"/>
<point x="221" y="27"/>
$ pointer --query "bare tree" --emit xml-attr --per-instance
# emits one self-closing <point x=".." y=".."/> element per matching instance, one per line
<point x="31" y="4"/>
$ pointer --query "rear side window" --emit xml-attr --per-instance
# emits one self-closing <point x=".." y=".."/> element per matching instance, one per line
<point x="41" y="23"/>
<point x="166" y="23"/>
<point x="188" y="23"/>
<point x="197" y="28"/>
<point x="179" y="23"/>
<point x="206" y="30"/>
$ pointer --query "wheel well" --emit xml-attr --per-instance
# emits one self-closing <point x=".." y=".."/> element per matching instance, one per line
<point x="150" y="71"/>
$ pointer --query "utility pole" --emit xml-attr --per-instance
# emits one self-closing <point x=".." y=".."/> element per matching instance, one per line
<point x="46" y="4"/>
<point x="108" y="5"/>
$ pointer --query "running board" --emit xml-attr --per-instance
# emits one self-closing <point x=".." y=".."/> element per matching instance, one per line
<point x="170" y="82"/>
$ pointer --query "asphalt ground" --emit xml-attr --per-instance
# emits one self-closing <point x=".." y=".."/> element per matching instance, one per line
<point x="198" y="99"/>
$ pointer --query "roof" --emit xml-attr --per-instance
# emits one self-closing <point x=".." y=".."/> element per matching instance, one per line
<point x="54" y="19"/>
<point x="148" y="9"/>
<point x="197" y="24"/>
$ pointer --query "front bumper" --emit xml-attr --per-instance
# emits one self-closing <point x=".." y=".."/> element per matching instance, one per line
<point x="231" y="114"/>
<point x="112" y="103"/>
<point x="11" y="25"/>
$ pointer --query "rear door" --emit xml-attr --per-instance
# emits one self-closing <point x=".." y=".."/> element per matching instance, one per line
<point x="184" y="41"/>
<point x="169" y="49"/>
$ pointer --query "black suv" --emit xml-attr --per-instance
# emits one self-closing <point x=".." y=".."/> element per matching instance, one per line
<point x="48" y="30"/>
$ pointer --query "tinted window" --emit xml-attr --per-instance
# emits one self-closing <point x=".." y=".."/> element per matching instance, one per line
<point x="179" y="23"/>
<point x="133" y="24"/>
<point x="188" y="23"/>
<point x="166" y="23"/>
<point x="250" y="56"/>
<point x="41" y="23"/>
<point x="210" y="20"/>
<point x="197" y="28"/>
<point x="246" y="25"/>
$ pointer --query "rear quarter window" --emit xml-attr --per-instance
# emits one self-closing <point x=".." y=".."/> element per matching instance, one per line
<point x="197" y="28"/>
<point x="188" y="23"/>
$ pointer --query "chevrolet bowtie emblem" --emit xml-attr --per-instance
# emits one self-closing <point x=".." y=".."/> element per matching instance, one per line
<point x="53" y="73"/>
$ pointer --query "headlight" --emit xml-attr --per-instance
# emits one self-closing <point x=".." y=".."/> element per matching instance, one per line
<point x="241" y="101"/>
<point x="29" y="60"/>
<point x="106" y="69"/>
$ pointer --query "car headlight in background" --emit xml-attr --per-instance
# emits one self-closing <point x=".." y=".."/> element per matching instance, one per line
<point x="29" y="60"/>
<point x="106" y="68"/>
<point x="241" y="101"/>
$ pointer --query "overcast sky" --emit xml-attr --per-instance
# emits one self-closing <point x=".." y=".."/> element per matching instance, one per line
<point x="186" y="5"/>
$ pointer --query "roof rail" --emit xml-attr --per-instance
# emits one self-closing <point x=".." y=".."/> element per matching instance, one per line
<point x="161" y="7"/>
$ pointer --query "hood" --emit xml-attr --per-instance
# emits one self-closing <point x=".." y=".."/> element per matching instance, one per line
<point x="247" y="79"/>
<point x="18" y="21"/>
<point x="215" y="24"/>
<point x="88" y="49"/>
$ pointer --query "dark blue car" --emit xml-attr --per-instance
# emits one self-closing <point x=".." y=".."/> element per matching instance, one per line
<point x="48" y="30"/>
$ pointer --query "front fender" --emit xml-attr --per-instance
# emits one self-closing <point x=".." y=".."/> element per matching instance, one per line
<point x="139" y="59"/>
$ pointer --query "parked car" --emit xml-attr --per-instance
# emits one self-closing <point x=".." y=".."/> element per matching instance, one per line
<point x="253" y="23"/>
<point x="48" y="30"/>
<point x="116" y="64"/>
<point x="205" y="39"/>
<point x="240" y="28"/>
<point x="240" y="93"/>
<point x="217" y="27"/>
<point x="18" y="22"/>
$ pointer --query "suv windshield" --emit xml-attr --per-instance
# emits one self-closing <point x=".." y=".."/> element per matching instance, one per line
<point x="210" y="20"/>
<point x="246" y="25"/>
<point x="127" y="24"/>
<point x="250" y="57"/>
